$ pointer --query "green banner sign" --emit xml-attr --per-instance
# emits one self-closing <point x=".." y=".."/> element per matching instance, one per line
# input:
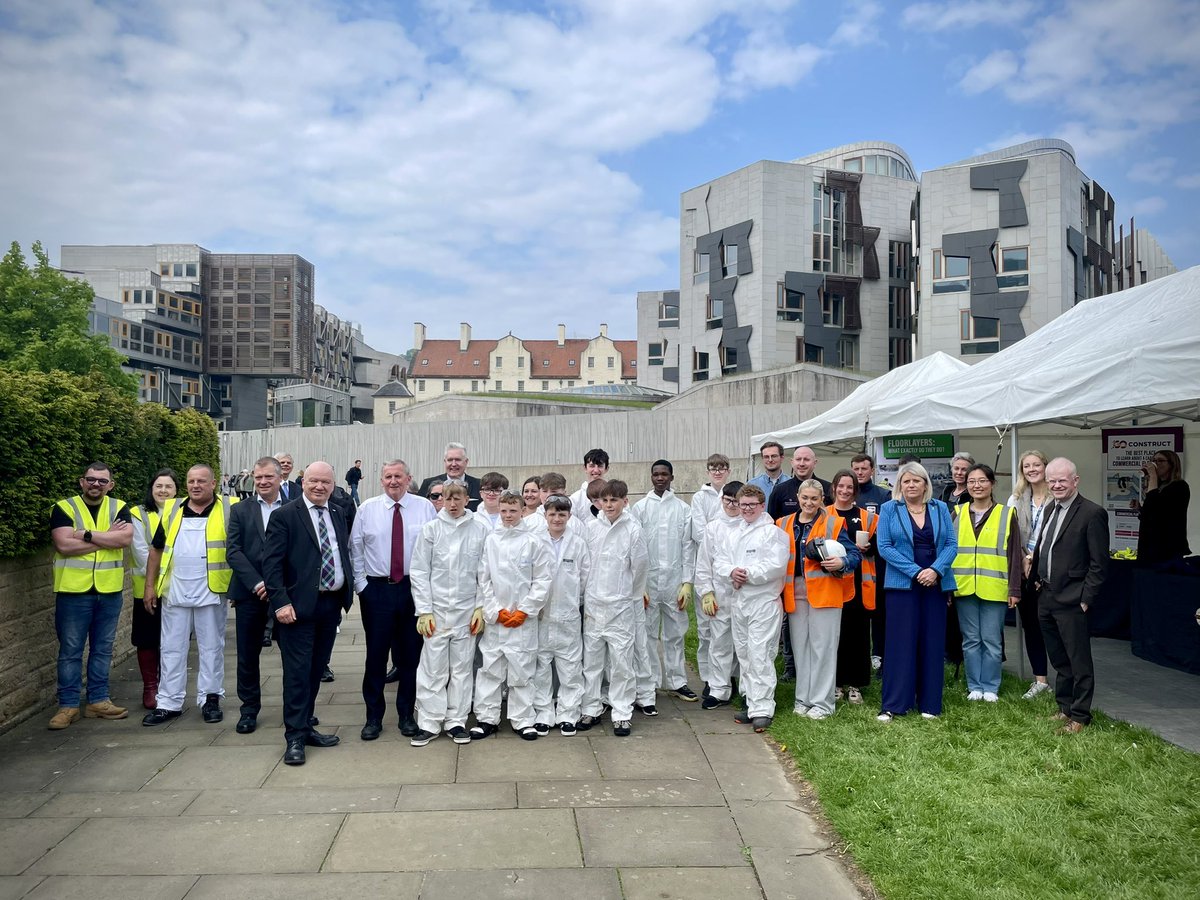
<point x="932" y="446"/>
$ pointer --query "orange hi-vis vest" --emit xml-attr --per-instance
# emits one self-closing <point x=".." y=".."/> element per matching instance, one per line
<point x="825" y="589"/>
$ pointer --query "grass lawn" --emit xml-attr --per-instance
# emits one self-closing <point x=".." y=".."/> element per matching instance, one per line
<point x="988" y="801"/>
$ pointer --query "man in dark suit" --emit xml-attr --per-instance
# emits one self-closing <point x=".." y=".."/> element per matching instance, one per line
<point x="247" y="532"/>
<point x="309" y="582"/>
<point x="1071" y="560"/>
<point x="289" y="489"/>
<point x="455" y="461"/>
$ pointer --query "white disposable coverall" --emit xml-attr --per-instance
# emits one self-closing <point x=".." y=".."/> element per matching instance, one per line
<point x="560" y="642"/>
<point x="706" y="506"/>
<point x="667" y="528"/>
<point x="444" y="574"/>
<point x="514" y="574"/>
<point x="762" y="550"/>
<point x="611" y="608"/>
<point x="721" y="657"/>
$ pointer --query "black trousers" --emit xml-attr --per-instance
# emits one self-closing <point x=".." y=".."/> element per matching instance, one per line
<point x="1035" y="645"/>
<point x="1069" y="646"/>
<point x="390" y="626"/>
<point x="304" y="645"/>
<point x="854" y="645"/>
<point x="251" y="617"/>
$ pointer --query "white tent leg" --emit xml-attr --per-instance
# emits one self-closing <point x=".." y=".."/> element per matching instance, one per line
<point x="1016" y="456"/>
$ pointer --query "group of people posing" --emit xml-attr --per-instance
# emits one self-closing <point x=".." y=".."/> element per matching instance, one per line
<point x="566" y="605"/>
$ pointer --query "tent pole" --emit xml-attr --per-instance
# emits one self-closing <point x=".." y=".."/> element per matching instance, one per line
<point x="1015" y="452"/>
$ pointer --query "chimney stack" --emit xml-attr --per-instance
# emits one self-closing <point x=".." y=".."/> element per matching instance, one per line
<point x="603" y="330"/>
<point x="562" y="335"/>
<point x="418" y="335"/>
<point x="464" y="335"/>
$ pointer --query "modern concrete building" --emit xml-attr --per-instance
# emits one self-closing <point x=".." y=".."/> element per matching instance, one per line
<point x="511" y="364"/>
<point x="787" y="262"/>
<point x="784" y="262"/>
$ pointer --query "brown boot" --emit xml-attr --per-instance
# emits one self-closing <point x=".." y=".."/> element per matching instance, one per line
<point x="148" y="663"/>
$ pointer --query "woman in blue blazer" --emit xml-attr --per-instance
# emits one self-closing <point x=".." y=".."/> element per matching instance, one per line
<point x="917" y="538"/>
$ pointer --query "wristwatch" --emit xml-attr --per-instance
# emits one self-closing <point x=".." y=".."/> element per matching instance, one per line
<point x="87" y="536"/>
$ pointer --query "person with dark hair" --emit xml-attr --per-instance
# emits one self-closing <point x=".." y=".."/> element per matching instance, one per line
<point x="455" y="462"/>
<point x="706" y="508"/>
<point x="595" y="467"/>
<point x="1163" y="532"/>
<point x="772" y="459"/>
<point x="353" y="479"/>
<point x="871" y="498"/>
<point x="90" y="532"/>
<point x="146" y="633"/>
<point x="988" y="571"/>
<point x="531" y="493"/>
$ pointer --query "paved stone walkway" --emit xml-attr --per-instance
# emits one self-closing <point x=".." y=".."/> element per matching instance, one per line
<point x="689" y="806"/>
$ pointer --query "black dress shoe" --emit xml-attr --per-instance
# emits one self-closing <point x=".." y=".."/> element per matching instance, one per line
<point x="392" y="676"/>
<point x="246" y="724"/>
<point x="212" y="709"/>
<point x="160" y="716"/>
<point x="371" y="730"/>
<point x="316" y="739"/>
<point x="408" y="726"/>
<point x="327" y="675"/>
<point x="266" y="641"/>
<point x="294" y="754"/>
<point x="313" y="721"/>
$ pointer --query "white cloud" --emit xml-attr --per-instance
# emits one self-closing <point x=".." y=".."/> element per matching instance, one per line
<point x="994" y="69"/>
<point x="1149" y="206"/>
<point x="1152" y="171"/>
<point x="859" y="25"/>
<point x="764" y="60"/>
<point x="1188" y="182"/>
<point x="953" y="15"/>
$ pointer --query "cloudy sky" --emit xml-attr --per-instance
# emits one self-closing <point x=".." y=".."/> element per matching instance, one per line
<point x="516" y="165"/>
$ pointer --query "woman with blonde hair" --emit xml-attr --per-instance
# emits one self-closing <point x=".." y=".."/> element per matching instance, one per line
<point x="1031" y="496"/>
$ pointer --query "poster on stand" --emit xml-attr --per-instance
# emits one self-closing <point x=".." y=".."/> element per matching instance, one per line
<point x="1126" y="450"/>
<point x="934" y="450"/>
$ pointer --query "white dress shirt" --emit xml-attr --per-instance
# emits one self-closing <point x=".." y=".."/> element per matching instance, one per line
<point x="267" y="508"/>
<point x="339" y="576"/>
<point x="371" y="540"/>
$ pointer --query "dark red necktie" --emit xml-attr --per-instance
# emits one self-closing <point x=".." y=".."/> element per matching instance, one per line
<point x="397" y="572"/>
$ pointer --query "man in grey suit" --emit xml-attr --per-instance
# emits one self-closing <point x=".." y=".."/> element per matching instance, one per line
<point x="1071" y="561"/>
<point x="248" y="591"/>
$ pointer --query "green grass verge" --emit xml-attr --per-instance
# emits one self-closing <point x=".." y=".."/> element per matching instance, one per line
<point x="988" y="801"/>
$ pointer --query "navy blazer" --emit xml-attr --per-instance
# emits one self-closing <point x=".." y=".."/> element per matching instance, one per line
<point x="245" y="542"/>
<point x="292" y="558"/>
<point x="1080" y="554"/>
<point x="894" y="539"/>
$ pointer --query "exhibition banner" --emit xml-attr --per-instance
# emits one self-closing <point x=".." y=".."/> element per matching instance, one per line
<point x="1126" y="451"/>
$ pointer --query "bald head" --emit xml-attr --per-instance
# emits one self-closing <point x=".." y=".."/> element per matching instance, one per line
<point x="1062" y="478"/>
<point x="318" y="483"/>
<point x="804" y="461"/>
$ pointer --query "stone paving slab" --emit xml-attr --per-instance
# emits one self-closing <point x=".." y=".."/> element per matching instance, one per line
<point x="192" y="846"/>
<point x="608" y="793"/>
<point x="777" y="825"/>
<point x="390" y="886"/>
<point x="527" y="884"/>
<point x="511" y="759"/>
<point x="106" y="804"/>
<point x="745" y="768"/>
<point x="480" y="795"/>
<point x="687" y="884"/>
<point x="468" y="839"/>
<point x="796" y="875"/>
<point x="33" y="772"/>
<point x="122" y="769"/>
<point x="690" y="836"/>
<point x="13" y="887"/>
<point x="649" y="755"/>
<point x="292" y="801"/>
<point x="17" y="805"/>
<point x="24" y="841"/>
<point x="197" y="768"/>
<point x="113" y="887"/>
<point x="358" y="764"/>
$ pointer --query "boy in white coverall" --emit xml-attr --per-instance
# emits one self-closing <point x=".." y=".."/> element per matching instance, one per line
<point x="514" y="580"/>
<point x="666" y="526"/>
<point x="754" y="557"/>
<point x="706" y="506"/>
<point x="560" y="643"/>
<point x="716" y="600"/>
<point x="444" y="574"/>
<point x="611" y="607"/>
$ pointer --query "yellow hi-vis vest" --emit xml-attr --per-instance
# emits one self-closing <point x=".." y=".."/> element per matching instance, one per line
<point x="220" y="574"/>
<point x="981" y="566"/>
<point x="147" y="521"/>
<point x="102" y="570"/>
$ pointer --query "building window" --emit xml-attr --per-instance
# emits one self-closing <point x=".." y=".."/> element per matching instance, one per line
<point x="729" y="359"/>
<point x="391" y="407"/>
<point x="899" y="352"/>
<point x="571" y="363"/>
<point x="980" y="348"/>
<point x="449" y="363"/>
<point x="545" y="385"/>
<point x="1013" y="268"/>
<point x="699" y="366"/>
<point x="499" y="385"/>
<point x="520" y="385"/>
<point x="714" y="312"/>
<point x="832" y="308"/>
<point x="668" y="313"/>
<point x="900" y="260"/>
<point x="499" y="361"/>
<point x="656" y="351"/>
<point x="789" y="305"/>
<point x="424" y="362"/>
<point x="611" y="361"/>
<point x="899" y="309"/>
<point x="190" y="270"/>
<point x="830" y="253"/>
<point x="848" y="351"/>
<point x="854" y="164"/>
<point x="951" y="274"/>
<point x="421" y="385"/>
<point x="545" y="363"/>
<point x="591" y="362"/>
<point x="809" y="353"/>
<point x="699" y="272"/>
<point x="475" y="386"/>
<point x="729" y="254"/>
<point x="446" y="386"/>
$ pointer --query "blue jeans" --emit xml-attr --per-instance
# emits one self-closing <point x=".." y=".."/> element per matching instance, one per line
<point x="982" y="625"/>
<point x="354" y="494"/>
<point x="80" y="618"/>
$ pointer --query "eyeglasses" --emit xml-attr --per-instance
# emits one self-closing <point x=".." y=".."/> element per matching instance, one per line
<point x="746" y="507"/>
<point x="978" y="482"/>
<point x="490" y="490"/>
<point x="718" y="468"/>
<point x="435" y="496"/>
<point x="729" y="501"/>
<point x="99" y="482"/>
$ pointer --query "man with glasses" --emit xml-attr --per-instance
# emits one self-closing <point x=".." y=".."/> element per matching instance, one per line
<point x="90" y="532"/>
<point x="455" y="460"/>
<point x="772" y="459"/>
<point x="706" y="507"/>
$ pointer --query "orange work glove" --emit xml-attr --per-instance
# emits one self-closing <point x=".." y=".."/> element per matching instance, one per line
<point x="516" y="619"/>
<point x="502" y="617"/>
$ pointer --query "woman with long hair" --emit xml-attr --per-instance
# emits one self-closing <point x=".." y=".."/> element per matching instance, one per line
<point x="146" y="625"/>
<point x="1031" y="496"/>
<point x="1163" y="532"/>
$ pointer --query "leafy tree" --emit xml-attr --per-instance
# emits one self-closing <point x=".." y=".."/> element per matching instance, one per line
<point x="44" y="323"/>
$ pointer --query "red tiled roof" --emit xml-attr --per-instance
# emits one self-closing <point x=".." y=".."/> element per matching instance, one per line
<point x="443" y="359"/>
<point x="559" y="358"/>
<point x="628" y="351"/>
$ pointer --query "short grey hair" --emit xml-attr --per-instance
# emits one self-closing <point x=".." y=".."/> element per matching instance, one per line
<point x="963" y="454"/>
<point x="454" y="445"/>
<point x="395" y="462"/>
<point x="913" y="468"/>
<point x="268" y="461"/>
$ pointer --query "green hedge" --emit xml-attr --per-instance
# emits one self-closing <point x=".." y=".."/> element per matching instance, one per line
<point x="52" y="424"/>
